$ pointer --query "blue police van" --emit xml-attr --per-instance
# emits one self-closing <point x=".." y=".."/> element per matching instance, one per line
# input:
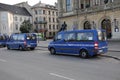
<point x="79" y="42"/>
<point x="3" y="40"/>
<point x="22" y="41"/>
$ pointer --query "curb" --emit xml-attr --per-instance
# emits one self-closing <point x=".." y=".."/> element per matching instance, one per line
<point x="114" y="57"/>
<point x="113" y="50"/>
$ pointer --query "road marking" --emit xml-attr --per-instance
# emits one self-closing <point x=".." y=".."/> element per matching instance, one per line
<point x="53" y="74"/>
<point x="2" y="60"/>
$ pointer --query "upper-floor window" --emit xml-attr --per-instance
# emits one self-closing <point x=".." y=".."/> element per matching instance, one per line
<point x="20" y="18"/>
<point x="40" y="11"/>
<point x="16" y="26"/>
<point x="53" y="12"/>
<point x="36" y="12"/>
<point x="68" y="5"/>
<point x="49" y="12"/>
<point x="43" y="11"/>
<point x="56" y="13"/>
<point x="16" y="18"/>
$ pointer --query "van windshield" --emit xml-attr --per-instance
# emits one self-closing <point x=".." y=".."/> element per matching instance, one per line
<point x="102" y="36"/>
<point x="31" y="37"/>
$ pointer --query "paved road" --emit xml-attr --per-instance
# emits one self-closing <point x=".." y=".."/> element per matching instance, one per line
<point x="40" y="65"/>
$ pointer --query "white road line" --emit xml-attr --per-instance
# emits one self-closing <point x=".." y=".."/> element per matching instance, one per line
<point x="2" y="60"/>
<point x="53" y="74"/>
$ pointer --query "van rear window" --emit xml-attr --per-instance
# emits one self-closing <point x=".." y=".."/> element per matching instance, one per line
<point x="31" y="37"/>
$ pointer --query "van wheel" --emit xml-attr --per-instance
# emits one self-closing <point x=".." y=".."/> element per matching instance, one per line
<point x="20" y="48"/>
<point x="32" y="48"/>
<point x="84" y="54"/>
<point x="8" y="47"/>
<point x="52" y="51"/>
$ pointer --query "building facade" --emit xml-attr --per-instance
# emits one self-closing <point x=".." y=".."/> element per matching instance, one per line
<point x="11" y="18"/>
<point x="45" y="18"/>
<point x="91" y="14"/>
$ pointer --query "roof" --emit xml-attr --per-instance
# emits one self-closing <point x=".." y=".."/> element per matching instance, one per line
<point x="14" y="9"/>
<point x="43" y="5"/>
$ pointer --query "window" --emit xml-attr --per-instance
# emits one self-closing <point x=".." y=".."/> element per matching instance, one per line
<point x="43" y="11"/>
<point x="40" y="12"/>
<point x="20" y="18"/>
<point x="53" y="26"/>
<point x="57" y="27"/>
<point x="49" y="19"/>
<point x="68" y="5"/>
<point x="53" y="12"/>
<point x="50" y="27"/>
<point x="58" y="37"/>
<point x="16" y="18"/>
<point x="31" y="37"/>
<point x="44" y="19"/>
<point x="53" y="19"/>
<point x="14" y="37"/>
<point x="88" y="36"/>
<point x="36" y="12"/>
<point x="50" y="33"/>
<point x="21" y="37"/>
<point x="16" y="26"/>
<point x="49" y="12"/>
<point x="56" y="13"/>
<point x="36" y="18"/>
<point x="70" y="37"/>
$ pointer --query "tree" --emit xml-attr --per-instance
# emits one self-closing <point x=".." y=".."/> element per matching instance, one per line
<point x="26" y="26"/>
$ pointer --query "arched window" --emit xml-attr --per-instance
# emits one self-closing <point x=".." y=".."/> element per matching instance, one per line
<point x="87" y="25"/>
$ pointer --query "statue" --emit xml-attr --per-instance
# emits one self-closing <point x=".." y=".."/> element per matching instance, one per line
<point x="63" y="27"/>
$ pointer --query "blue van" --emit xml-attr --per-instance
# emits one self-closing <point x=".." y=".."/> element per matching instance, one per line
<point x="3" y="40"/>
<point x="22" y="41"/>
<point x="79" y="42"/>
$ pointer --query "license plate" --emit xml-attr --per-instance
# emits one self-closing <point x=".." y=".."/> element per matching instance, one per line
<point x="28" y="45"/>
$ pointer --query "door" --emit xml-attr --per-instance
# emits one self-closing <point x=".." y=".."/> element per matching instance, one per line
<point x="70" y="43"/>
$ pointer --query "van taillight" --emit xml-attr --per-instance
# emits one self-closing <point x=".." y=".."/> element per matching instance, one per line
<point x="25" y="43"/>
<point x="96" y="45"/>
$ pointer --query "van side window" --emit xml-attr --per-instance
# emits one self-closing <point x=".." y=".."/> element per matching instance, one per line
<point x="70" y="37"/>
<point x="14" y="37"/>
<point x="58" y="37"/>
<point x="85" y="36"/>
<point x="21" y="37"/>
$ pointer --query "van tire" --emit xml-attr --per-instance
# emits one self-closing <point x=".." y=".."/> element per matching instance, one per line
<point x="8" y="47"/>
<point x="20" y="48"/>
<point x="84" y="53"/>
<point x="32" y="48"/>
<point x="52" y="51"/>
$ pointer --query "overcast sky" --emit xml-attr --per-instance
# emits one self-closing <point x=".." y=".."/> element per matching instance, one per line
<point x="30" y="2"/>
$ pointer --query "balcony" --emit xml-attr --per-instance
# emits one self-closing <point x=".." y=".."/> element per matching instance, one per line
<point x="40" y="22"/>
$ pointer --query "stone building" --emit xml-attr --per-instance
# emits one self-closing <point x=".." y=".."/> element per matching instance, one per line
<point x="91" y="14"/>
<point x="11" y="17"/>
<point x="45" y="18"/>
